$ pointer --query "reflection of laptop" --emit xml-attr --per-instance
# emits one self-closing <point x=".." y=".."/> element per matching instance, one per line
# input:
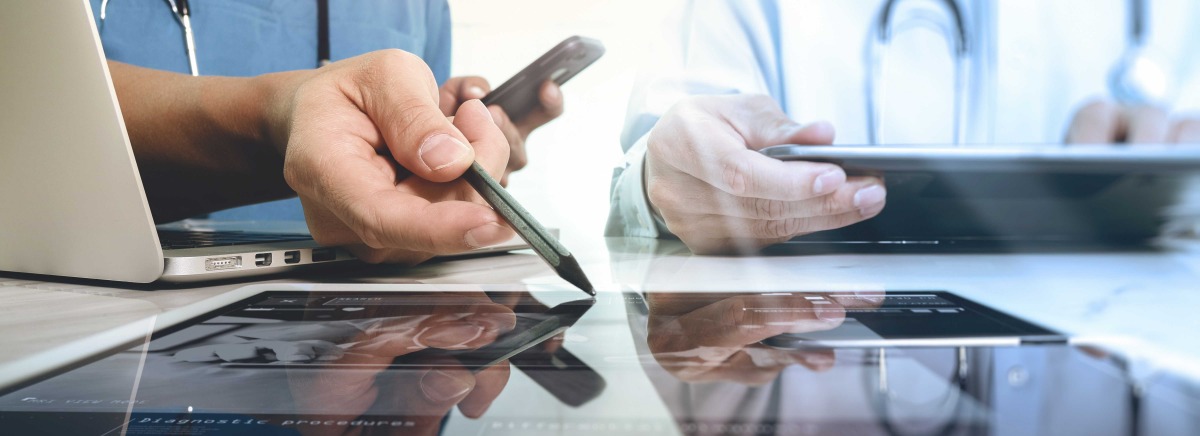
<point x="1015" y="195"/>
<point x="71" y="200"/>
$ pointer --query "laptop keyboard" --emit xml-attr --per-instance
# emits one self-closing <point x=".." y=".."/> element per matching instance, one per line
<point x="197" y="239"/>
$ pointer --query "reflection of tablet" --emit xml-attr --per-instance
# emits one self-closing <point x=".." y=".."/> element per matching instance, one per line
<point x="1050" y="194"/>
<point x="924" y="318"/>
<point x="534" y="325"/>
<point x="217" y="369"/>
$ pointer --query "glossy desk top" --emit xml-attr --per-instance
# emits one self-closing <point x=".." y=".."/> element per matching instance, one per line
<point x="1138" y="305"/>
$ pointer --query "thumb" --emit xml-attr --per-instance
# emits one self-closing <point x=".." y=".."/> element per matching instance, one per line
<point x="400" y="95"/>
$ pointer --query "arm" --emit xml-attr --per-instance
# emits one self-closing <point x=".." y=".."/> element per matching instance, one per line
<point x="362" y="141"/>
<point x="203" y="143"/>
<point x="710" y="48"/>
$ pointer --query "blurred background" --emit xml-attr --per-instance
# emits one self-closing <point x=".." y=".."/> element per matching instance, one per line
<point x="1049" y="59"/>
<point x="571" y="159"/>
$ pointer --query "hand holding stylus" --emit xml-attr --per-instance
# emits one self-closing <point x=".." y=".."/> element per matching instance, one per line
<point x="356" y="129"/>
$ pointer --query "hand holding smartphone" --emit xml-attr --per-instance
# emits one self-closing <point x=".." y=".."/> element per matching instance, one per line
<point x="519" y="94"/>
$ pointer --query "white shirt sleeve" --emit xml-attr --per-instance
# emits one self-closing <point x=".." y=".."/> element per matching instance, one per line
<point x="630" y="213"/>
<point x="713" y="47"/>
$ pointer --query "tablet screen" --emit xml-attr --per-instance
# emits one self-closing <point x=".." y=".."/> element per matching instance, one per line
<point x="277" y="361"/>
<point x="933" y="318"/>
<point x="1015" y="198"/>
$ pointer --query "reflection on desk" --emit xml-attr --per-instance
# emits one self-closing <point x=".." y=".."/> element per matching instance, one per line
<point x="629" y="363"/>
<point x="721" y="379"/>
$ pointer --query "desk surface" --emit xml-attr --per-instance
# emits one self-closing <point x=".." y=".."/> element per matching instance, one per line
<point x="1140" y="303"/>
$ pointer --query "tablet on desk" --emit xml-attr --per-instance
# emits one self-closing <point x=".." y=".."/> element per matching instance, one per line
<point x="920" y="319"/>
<point x="275" y="354"/>
<point x="1013" y="195"/>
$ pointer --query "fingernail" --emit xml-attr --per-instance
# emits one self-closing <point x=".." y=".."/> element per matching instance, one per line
<point x="439" y="386"/>
<point x="475" y="92"/>
<point x="552" y="93"/>
<point x="484" y="235"/>
<point x="827" y="182"/>
<point x="441" y="150"/>
<point x="869" y="196"/>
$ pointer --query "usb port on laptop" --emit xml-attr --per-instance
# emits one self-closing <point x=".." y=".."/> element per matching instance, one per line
<point x="323" y="254"/>
<point x="262" y="259"/>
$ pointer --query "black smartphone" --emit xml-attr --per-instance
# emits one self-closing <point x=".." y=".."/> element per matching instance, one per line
<point x="535" y="324"/>
<point x="519" y="94"/>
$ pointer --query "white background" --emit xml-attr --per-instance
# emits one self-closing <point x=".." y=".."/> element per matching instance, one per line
<point x="571" y="159"/>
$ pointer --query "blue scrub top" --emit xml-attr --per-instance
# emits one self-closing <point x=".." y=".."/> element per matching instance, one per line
<point x="253" y="37"/>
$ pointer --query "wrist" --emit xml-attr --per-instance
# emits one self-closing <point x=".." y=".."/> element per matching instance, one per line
<point x="273" y="97"/>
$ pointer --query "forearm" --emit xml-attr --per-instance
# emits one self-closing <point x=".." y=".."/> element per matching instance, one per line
<point x="203" y="143"/>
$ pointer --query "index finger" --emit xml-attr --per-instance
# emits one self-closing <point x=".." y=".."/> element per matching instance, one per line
<point x="715" y="141"/>
<point x="458" y="90"/>
<point x="489" y="382"/>
<point x="550" y="99"/>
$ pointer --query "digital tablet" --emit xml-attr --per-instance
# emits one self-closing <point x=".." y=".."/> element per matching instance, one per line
<point x="993" y="195"/>
<point x="268" y="355"/>
<point x="920" y="319"/>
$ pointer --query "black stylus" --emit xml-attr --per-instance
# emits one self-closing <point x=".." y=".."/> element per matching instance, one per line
<point x="543" y="243"/>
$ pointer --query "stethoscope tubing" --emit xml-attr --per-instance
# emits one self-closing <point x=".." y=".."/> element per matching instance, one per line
<point x="182" y="12"/>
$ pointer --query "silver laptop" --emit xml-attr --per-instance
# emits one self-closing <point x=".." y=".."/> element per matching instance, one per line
<point x="71" y="200"/>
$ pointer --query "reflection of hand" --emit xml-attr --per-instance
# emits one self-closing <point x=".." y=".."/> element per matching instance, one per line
<point x="420" y="398"/>
<point x="1106" y="122"/>
<point x="375" y="161"/>
<point x="718" y="194"/>
<point x="711" y="337"/>
<point x="270" y="351"/>
<point x="474" y="324"/>
<point x="459" y="90"/>
<point x="365" y="385"/>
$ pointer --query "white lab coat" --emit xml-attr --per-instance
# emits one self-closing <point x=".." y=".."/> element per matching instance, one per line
<point x="1049" y="58"/>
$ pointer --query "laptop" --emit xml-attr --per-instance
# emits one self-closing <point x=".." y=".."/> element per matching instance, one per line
<point x="71" y="200"/>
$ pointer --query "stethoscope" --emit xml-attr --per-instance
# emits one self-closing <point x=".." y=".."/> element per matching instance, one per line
<point x="183" y="15"/>
<point x="898" y="16"/>
<point x="1135" y="79"/>
<point x="884" y="401"/>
